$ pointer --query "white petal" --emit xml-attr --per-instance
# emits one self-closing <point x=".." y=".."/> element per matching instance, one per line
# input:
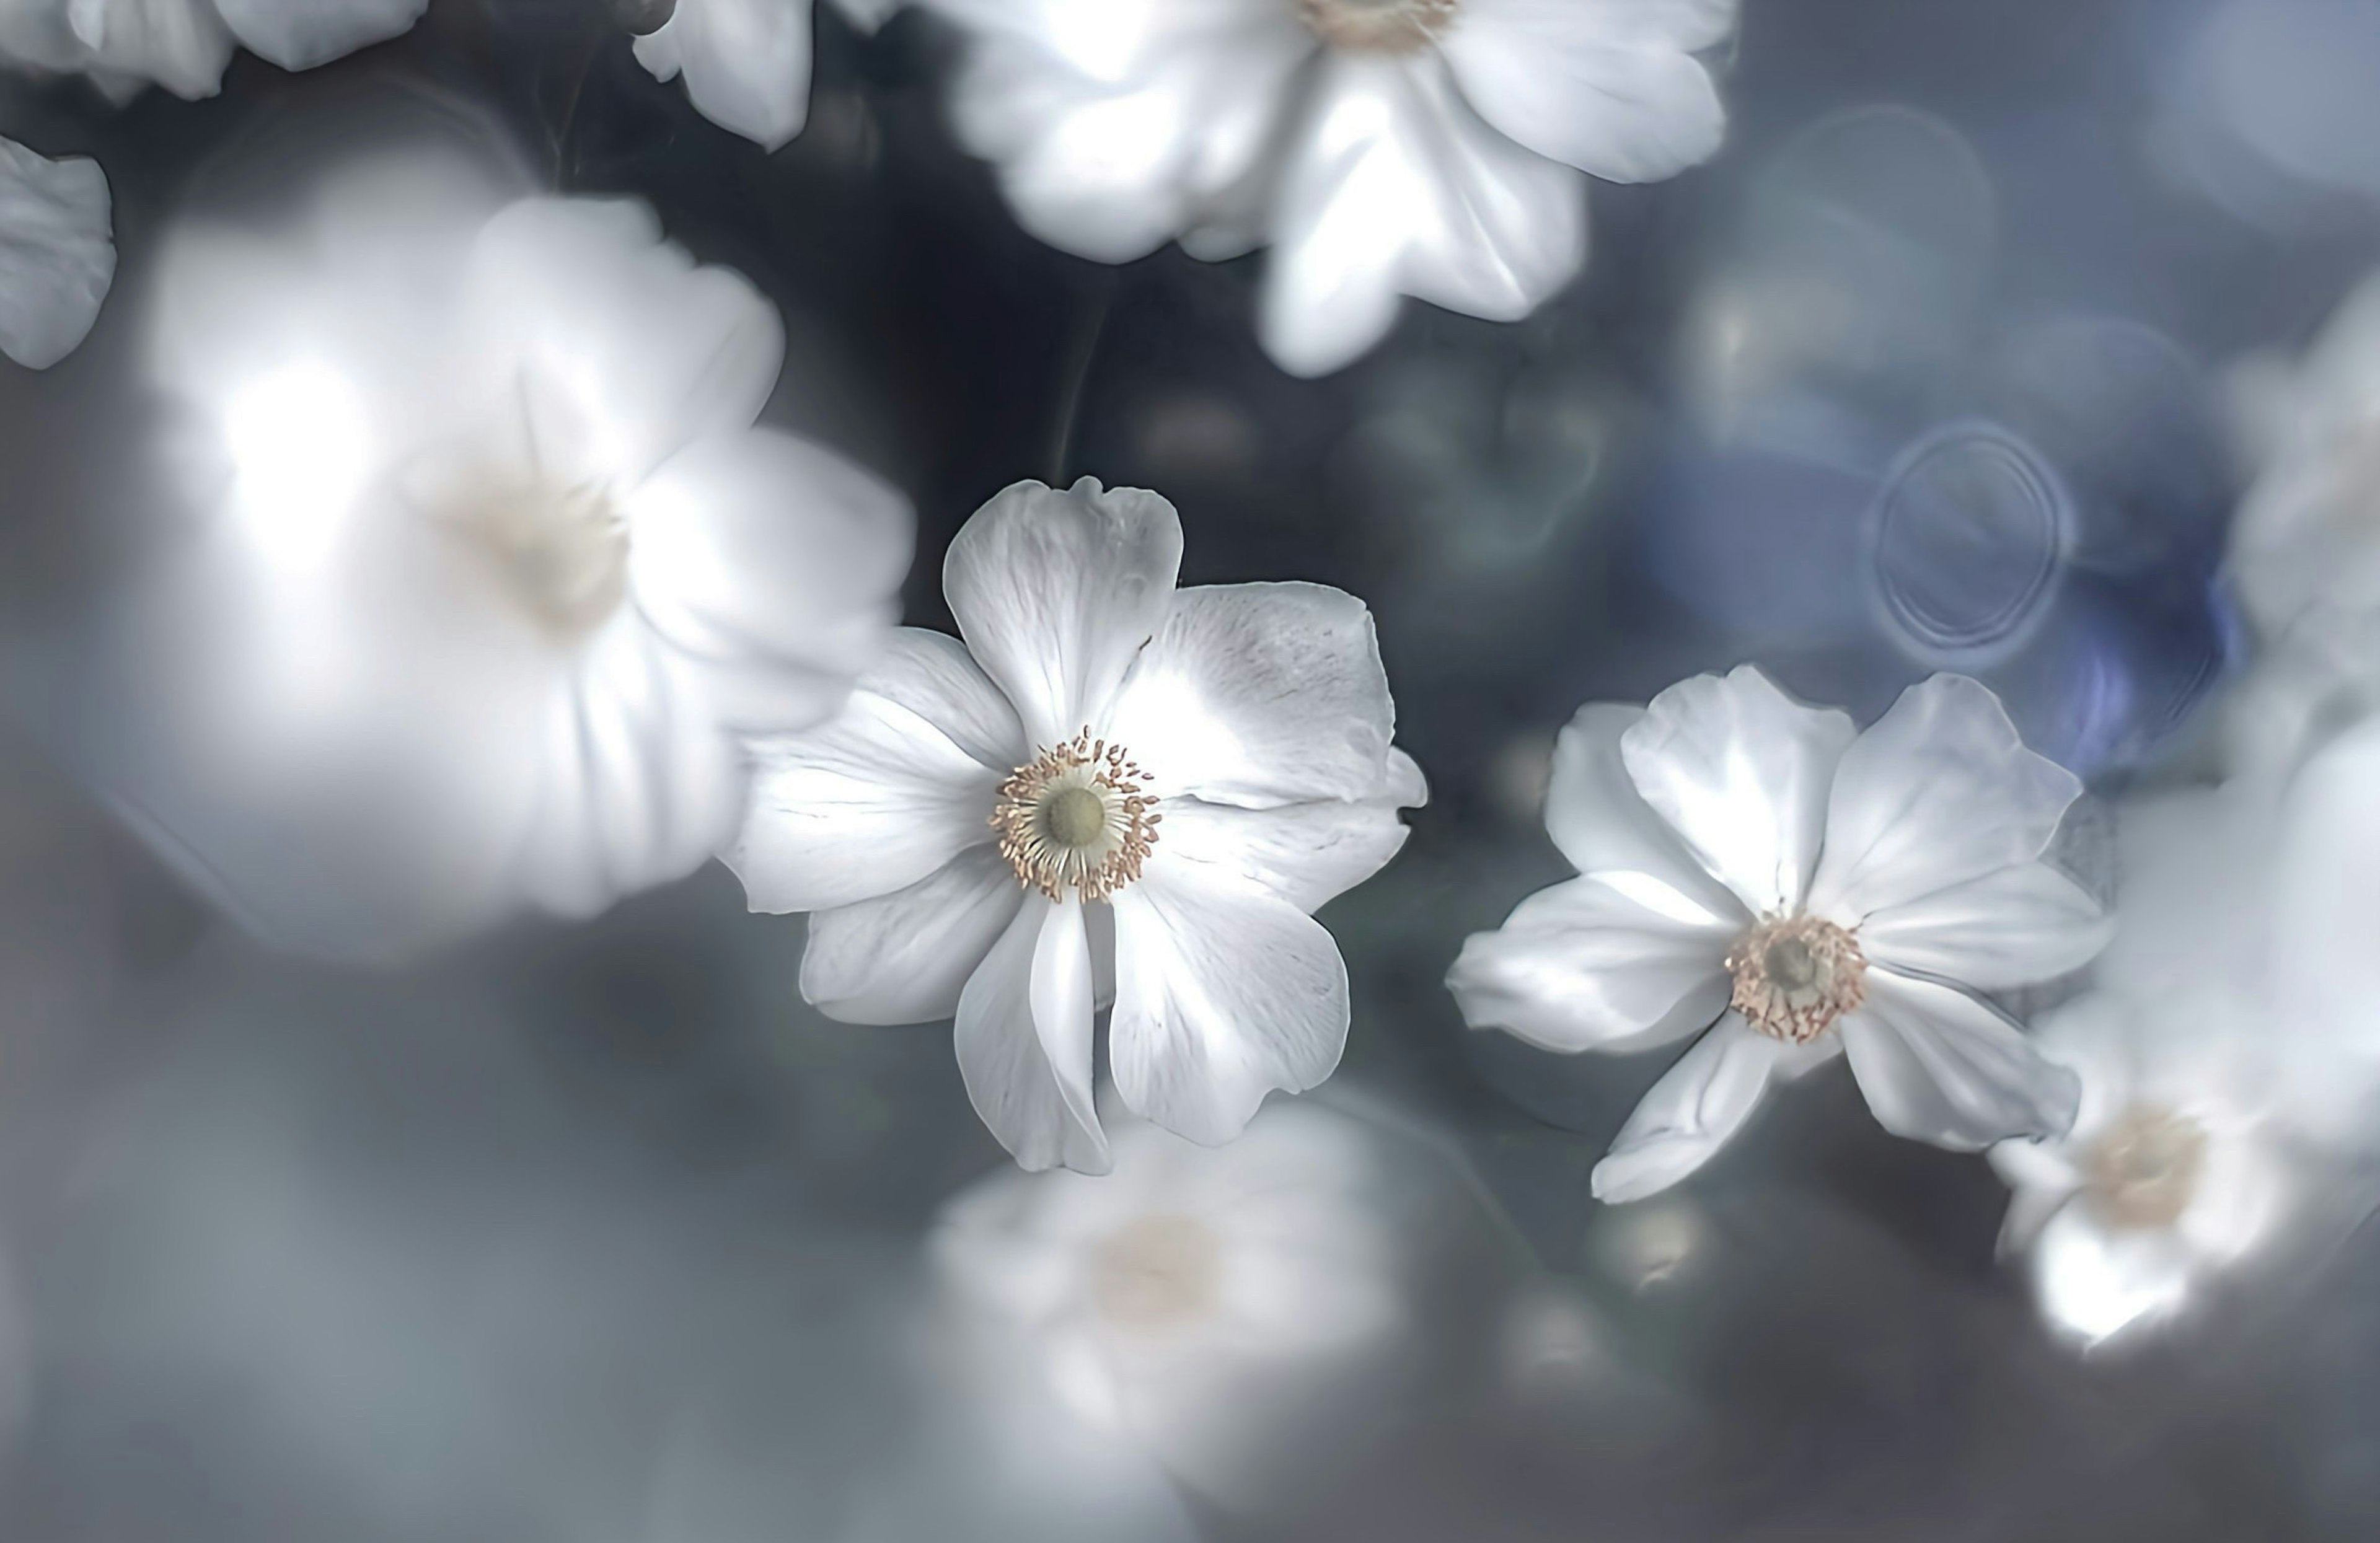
<point x="1602" y="824"/>
<point x="616" y="351"/>
<point x="1938" y="790"/>
<point x="2092" y="1281"/>
<point x="1696" y="1108"/>
<point x="56" y="254"/>
<point x="1023" y="1037"/>
<point x="1396" y="187"/>
<point x="2031" y="1206"/>
<point x="1056" y="593"/>
<point x="1117" y="124"/>
<point x="1938" y="1066"/>
<point x="903" y="958"/>
<point x="300" y="34"/>
<point x="773" y="566"/>
<point x="181" y="44"/>
<point x="1223" y="994"/>
<point x="1740" y="771"/>
<point x="746" y="63"/>
<point x="1260" y="695"/>
<point x="1307" y="853"/>
<point x="882" y="796"/>
<point x="2021" y="924"/>
<point x="1590" y="965"/>
<point x="1607" y="88"/>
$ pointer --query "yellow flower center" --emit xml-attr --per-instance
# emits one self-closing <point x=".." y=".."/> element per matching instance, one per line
<point x="1378" y="26"/>
<point x="1156" y="1272"/>
<point x="1078" y="817"/>
<point x="1794" y="976"/>
<point x="2144" y="1169"/>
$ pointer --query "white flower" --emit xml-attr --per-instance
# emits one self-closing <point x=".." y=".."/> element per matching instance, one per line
<point x="1429" y="148"/>
<point x="1176" y="1305"/>
<point x="183" y="45"/>
<point x="56" y="254"/>
<point x="499" y="567"/>
<point x="1107" y="766"/>
<point x="746" y="62"/>
<point x="1749" y="859"/>
<point x="2175" y="1166"/>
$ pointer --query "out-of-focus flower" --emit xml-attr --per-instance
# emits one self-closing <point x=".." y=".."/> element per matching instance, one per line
<point x="1185" y="1304"/>
<point x="746" y="63"/>
<point x="510" y="563"/>
<point x="1113" y="788"/>
<point x="1386" y="148"/>
<point x="2175" y="1166"/>
<point x="57" y="255"/>
<point x="1751" y="860"/>
<point x="183" y="45"/>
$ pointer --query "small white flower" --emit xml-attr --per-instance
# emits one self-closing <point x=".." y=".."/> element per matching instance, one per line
<point x="2175" y="1166"/>
<point x="58" y="256"/>
<point x="183" y="45"/>
<point x="1172" y="1303"/>
<point x="746" y="62"/>
<point x="1108" y="767"/>
<point x="1386" y="148"/>
<point x="500" y="564"/>
<point x="1751" y="860"/>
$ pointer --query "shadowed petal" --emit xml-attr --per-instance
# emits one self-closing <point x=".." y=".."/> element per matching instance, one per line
<point x="1935" y="1066"/>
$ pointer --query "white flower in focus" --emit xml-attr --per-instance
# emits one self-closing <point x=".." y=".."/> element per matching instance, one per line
<point x="1114" y="787"/>
<point x="2174" y="1167"/>
<point x="1750" y="860"/>
<point x="1177" y="1304"/>
<point x="183" y="45"/>
<point x="58" y="254"/>
<point x="746" y="63"/>
<point x="1386" y="148"/>
<point x="508" y="563"/>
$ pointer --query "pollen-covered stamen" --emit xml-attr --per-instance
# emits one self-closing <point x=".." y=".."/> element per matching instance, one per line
<point x="2144" y="1169"/>
<point x="1378" y="26"/>
<point x="1794" y="976"/>
<point x="1078" y="817"/>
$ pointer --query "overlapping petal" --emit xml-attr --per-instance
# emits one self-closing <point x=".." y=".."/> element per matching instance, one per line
<point x="1602" y="824"/>
<point x="1307" y="853"/>
<point x="903" y="957"/>
<point x="1938" y="1066"/>
<point x="2011" y="928"/>
<point x="1610" y="962"/>
<point x="746" y="63"/>
<point x="1023" y="1039"/>
<point x="1699" y="1105"/>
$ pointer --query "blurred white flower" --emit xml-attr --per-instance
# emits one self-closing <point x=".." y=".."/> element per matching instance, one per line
<point x="746" y="62"/>
<point x="1188" y="1304"/>
<point x="500" y="563"/>
<point x="1386" y="148"/>
<point x="57" y="255"/>
<point x="183" y="45"/>
<point x="1751" y="860"/>
<point x="2176" y="1165"/>
<point x="1111" y="780"/>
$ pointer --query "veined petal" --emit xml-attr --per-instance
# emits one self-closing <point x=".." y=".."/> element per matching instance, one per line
<point x="883" y="793"/>
<point x="1395" y="186"/>
<point x="613" y="345"/>
<point x="1260" y="695"/>
<point x="903" y="958"/>
<point x="1740" y="771"/>
<point x="57" y="253"/>
<point x="1610" y="88"/>
<point x="1938" y="790"/>
<point x="1057" y="592"/>
<point x="1602" y="824"/>
<point x="2019" y="925"/>
<point x="1307" y="853"/>
<point x="773" y="566"/>
<point x="300" y="34"/>
<point x="746" y="63"/>
<point x="1938" y="1066"/>
<point x="1223" y="994"/>
<point x="1610" y="962"/>
<point x="1023" y="1037"/>
<point x="1696" y="1108"/>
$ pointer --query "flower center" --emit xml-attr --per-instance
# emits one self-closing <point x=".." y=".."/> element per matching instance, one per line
<point x="1077" y="816"/>
<point x="1794" y="976"/>
<point x="1157" y="1272"/>
<point x="1378" y="26"/>
<point x="2144" y="1169"/>
<point x="560" y="552"/>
